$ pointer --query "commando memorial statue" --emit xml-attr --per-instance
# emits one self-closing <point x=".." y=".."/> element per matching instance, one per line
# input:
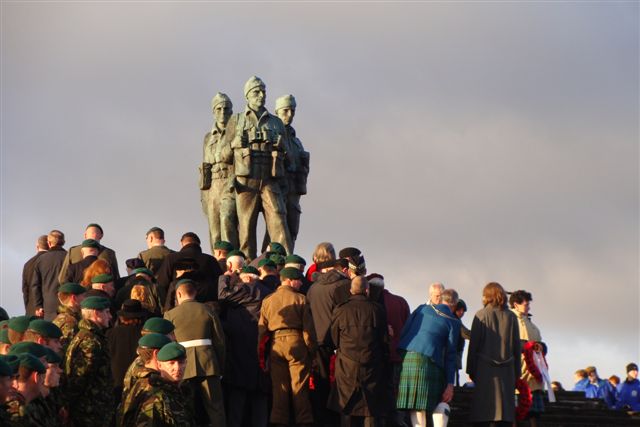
<point x="253" y="162"/>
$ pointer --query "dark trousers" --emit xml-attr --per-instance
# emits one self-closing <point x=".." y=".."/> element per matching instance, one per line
<point x="322" y="416"/>
<point x="246" y="407"/>
<point x="354" y="421"/>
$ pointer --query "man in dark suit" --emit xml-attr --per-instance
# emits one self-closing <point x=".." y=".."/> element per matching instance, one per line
<point x="27" y="271"/>
<point x="199" y="330"/>
<point x="44" y="280"/>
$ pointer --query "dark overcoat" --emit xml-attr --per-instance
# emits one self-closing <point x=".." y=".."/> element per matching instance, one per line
<point x="493" y="363"/>
<point x="322" y="301"/>
<point x="359" y="332"/>
<point x="44" y="281"/>
<point x="27" y="274"/>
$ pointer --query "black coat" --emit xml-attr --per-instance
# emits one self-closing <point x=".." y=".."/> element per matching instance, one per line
<point x="44" y="281"/>
<point x="240" y="305"/>
<point x="359" y="331"/>
<point x="75" y="271"/>
<point x="27" y="274"/>
<point x="323" y="300"/>
<point x="208" y="270"/>
<point x="123" y="342"/>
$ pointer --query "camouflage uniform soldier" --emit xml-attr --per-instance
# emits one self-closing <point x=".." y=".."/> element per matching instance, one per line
<point x="6" y="372"/>
<point x="26" y="407"/>
<point x="68" y="316"/>
<point x="88" y="367"/>
<point x="216" y="176"/>
<point x="259" y="143"/>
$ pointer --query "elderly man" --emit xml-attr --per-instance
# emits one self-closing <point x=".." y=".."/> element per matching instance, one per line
<point x="156" y="250"/>
<point x="88" y="367"/>
<point x="435" y="293"/>
<point x="216" y="176"/>
<point x="359" y="332"/>
<point x="259" y="144"/>
<point x="44" y="280"/>
<point x="200" y="331"/>
<point x="93" y="231"/>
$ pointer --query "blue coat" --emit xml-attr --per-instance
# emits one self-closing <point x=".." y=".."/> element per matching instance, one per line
<point x="601" y="390"/>
<point x="629" y="395"/>
<point x="433" y="331"/>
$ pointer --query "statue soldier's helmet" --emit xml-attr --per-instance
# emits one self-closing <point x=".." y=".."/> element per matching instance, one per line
<point x="219" y="99"/>
<point x="253" y="82"/>
<point x="286" y="101"/>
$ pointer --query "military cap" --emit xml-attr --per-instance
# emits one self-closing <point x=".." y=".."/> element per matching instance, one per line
<point x="220" y="98"/>
<point x="95" y="303"/>
<point x="29" y="361"/>
<point x="277" y="247"/>
<point x="134" y="263"/>
<point x="153" y="341"/>
<point x="286" y="101"/>
<point x="93" y="224"/>
<point x="632" y="367"/>
<point x="191" y="235"/>
<point x="249" y="269"/>
<point x="277" y="259"/>
<point x="253" y="82"/>
<point x="4" y="336"/>
<point x="185" y="264"/>
<point x="158" y="325"/>
<point x="355" y="259"/>
<point x="19" y="323"/>
<point x="13" y="362"/>
<point x="90" y="243"/>
<point x="295" y="259"/>
<point x="53" y="357"/>
<point x="143" y="270"/>
<point x="223" y="246"/>
<point x="72" y="288"/>
<point x="291" y="273"/>
<point x="236" y="252"/>
<point x="266" y="262"/>
<point x="5" y="369"/>
<point x="30" y="347"/>
<point x="3" y="314"/>
<point x="45" y="328"/>
<point x="102" y="278"/>
<point x="171" y="351"/>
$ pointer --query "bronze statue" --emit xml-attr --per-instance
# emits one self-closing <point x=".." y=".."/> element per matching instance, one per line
<point x="217" y="177"/>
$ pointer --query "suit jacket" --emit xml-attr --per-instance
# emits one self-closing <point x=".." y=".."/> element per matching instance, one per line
<point x="44" y="281"/>
<point x="75" y="255"/>
<point x="194" y="321"/>
<point x="154" y="256"/>
<point x="27" y="273"/>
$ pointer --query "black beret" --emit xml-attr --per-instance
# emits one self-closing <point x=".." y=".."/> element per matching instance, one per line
<point x="291" y="273"/>
<point x="158" y="325"/>
<point x="153" y="341"/>
<point x="45" y="328"/>
<point x="171" y="351"/>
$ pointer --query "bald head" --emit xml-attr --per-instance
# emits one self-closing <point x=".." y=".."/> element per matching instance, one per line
<point x="435" y="293"/>
<point x="359" y="286"/>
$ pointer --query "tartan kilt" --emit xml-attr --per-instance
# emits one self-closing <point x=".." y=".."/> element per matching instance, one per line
<point x="421" y="384"/>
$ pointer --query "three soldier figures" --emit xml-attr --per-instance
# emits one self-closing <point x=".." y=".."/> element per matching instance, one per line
<point x="253" y="162"/>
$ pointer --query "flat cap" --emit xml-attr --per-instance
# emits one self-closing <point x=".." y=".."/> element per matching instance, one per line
<point x="286" y="101"/>
<point x="29" y="361"/>
<point x="72" y="288"/>
<point x="236" y="252"/>
<point x="33" y="348"/>
<point x="158" y="325"/>
<point x="19" y="323"/>
<point x="291" y="273"/>
<point x="95" y="303"/>
<point x="223" y="245"/>
<point x="266" y="262"/>
<point x="171" y="351"/>
<point x="90" y="243"/>
<point x="249" y="269"/>
<point x="253" y="82"/>
<point x="45" y="328"/>
<point x="153" y="341"/>
<point x="102" y="278"/>
<point x="295" y="259"/>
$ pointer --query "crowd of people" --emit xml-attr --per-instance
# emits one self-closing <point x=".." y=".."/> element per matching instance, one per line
<point x="187" y="339"/>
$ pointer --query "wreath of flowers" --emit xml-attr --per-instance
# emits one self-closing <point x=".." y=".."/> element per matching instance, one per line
<point x="525" y="399"/>
<point x="531" y="364"/>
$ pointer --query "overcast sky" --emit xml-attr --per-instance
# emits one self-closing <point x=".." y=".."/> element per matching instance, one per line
<point x="458" y="142"/>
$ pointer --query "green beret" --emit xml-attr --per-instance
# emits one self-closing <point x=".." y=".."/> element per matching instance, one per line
<point x="4" y="336"/>
<point x="33" y="348"/>
<point x="3" y="314"/>
<point x="267" y="262"/>
<point x="291" y="273"/>
<point x="236" y="252"/>
<point x="153" y="341"/>
<point x="223" y="245"/>
<point x="295" y="259"/>
<point x="143" y="270"/>
<point x="19" y="323"/>
<point x="158" y="325"/>
<point x="13" y="362"/>
<point x="253" y="82"/>
<point x="277" y="247"/>
<point x="102" y="278"/>
<point x="30" y="361"/>
<point x="53" y="357"/>
<point x="249" y="269"/>
<point x="5" y="369"/>
<point x="45" y="328"/>
<point x="72" y="288"/>
<point x="95" y="303"/>
<point x="171" y="351"/>
<point x="4" y="324"/>
<point x="286" y="101"/>
<point x="220" y="98"/>
<point x="90" y="243"/>
<point x="277" y="259"/>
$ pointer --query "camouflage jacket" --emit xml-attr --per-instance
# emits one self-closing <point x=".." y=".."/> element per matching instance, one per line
<point x="67" y="320"/>
<point x="36" y="413"/>
<point x="154" y="402"/>
<point x="89" y="379"/>
<point x="135" y="371"/>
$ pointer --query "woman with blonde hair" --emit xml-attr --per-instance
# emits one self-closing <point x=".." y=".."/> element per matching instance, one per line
<point x="99" y="266"/>
<point x="493" y="361"/>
